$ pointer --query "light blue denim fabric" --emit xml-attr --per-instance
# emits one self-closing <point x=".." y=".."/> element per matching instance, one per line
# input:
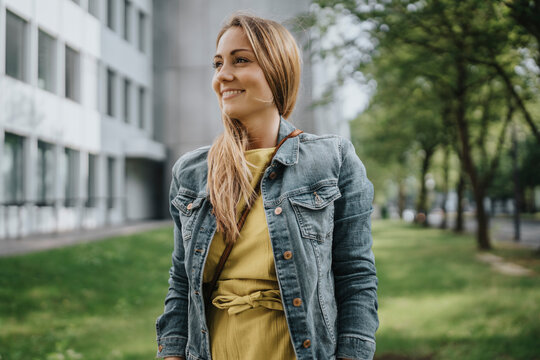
<point x="326" y="201"/>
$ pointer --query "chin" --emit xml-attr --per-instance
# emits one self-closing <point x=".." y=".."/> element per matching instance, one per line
<point x="230" y="112"/>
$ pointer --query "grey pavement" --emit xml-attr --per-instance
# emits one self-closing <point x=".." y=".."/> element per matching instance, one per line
<point x="501" y="229"/>
<point x="41" y="242"/>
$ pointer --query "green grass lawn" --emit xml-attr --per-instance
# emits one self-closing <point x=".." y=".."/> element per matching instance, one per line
<point x="436" y="301"/>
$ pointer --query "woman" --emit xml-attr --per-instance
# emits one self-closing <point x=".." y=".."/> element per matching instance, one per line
<point x="300" y="280"/>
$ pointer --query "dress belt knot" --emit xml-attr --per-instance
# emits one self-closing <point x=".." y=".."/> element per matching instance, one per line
<point x="234" y="304"/>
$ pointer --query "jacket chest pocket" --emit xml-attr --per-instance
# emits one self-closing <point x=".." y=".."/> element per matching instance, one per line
<point x="314" y="211"/>
<point x="188" y="206"/>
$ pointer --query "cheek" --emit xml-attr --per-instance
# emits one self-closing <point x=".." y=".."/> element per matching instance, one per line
<point x="259" y="84"/>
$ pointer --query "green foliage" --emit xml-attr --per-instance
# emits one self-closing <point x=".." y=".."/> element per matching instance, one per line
<point x="530" y="168"/>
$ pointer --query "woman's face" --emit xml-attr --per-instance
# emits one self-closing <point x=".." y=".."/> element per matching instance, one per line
<point x="242" y="90"/>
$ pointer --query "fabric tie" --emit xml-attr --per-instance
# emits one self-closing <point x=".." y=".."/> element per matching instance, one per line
<point x="234" y="304"/>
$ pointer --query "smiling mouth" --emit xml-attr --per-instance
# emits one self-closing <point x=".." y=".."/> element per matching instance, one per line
<point x="231" y="93"/>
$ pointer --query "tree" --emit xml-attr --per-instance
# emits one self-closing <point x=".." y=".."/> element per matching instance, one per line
<point x="467" y="53"/>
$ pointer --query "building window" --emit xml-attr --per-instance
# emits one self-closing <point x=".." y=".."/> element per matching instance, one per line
<point x="142" y="107"/>
<point x="99" y="86"/>
<point x="110" y="14"/>
<point x="12" y="169"/>
<point x="142" y="32"/>
<point x="127" y="102"/>
<point x="16" y="41"/>
<point x="111" y="79"/>
<point x="45" y="174"/>
<point x="110" y="182"/>
<point x="93" y="8"/>
<point x="91" y="184"/>
<point x="73" y="85"/>
<point x="70" y="177"/>
<point x="127" y="17"/>
<point x="46" y="61"/>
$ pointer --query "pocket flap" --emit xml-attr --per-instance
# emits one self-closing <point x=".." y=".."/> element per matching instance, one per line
<point x="318" y="198"/>
<point x="187" y="203"/>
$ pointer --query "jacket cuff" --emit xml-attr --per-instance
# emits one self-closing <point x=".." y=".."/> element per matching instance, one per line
<point x="355" y="348"/>
<point x="171" y="346"/>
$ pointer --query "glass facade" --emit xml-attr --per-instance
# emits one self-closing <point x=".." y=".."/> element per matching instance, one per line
<point x="142" y="31"/>
<point x="70" y="176"/>
<point x="111" y="98"/>
<point x="73" y="85"/>
<point x="91" y="182"/>
<point x="46" y="61"/>
<point x="13" y="169"/>
<point x="16" y="43"/>
<point x="142" y="107"/>
<point x="110" y="14"/>
<point x="45" y="174"/>
<point x="93" y="7"/>
<point x="110" y="182"/>
<point x="127" y="20"/>
<point x="127" y="102"/>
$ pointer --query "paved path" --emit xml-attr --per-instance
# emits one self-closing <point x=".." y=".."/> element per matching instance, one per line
<point x="501" y="229"/>
<point x="49" y="241"/>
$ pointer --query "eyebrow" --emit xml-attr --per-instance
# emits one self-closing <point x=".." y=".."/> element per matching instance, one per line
<point x="232" y="52"/>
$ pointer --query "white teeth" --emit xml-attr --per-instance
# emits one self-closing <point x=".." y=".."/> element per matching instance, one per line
<point x="231" y="92"/>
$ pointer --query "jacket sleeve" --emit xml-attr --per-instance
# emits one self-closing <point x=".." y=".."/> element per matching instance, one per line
<point x="171" y="326"/>
<point x="353" y="262"/>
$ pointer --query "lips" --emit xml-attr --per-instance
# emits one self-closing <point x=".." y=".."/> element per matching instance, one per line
<point x="227" y="94"/>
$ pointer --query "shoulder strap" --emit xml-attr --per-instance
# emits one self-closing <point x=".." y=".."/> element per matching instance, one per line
<point x="240" y="224"/>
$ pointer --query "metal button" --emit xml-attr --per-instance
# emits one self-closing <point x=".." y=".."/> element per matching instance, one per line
<point x="190" y="205"/>
<point x="318" y="199"/>
<point x="160" y="348"/>
<point x="307" y="343"/>
<point x="297" y="302"/>
<point x="278" y="210"/>
<point x="272" y="175"/>
<point x="287" y="255"/>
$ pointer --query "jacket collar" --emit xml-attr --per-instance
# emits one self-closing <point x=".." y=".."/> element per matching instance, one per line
<point x="288" y="152"/>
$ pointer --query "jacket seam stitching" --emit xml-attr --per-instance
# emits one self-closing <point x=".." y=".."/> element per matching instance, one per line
<point x="172" y="337"/>
<point x="363" y="338"/>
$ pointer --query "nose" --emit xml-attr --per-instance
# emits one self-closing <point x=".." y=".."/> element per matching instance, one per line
<point x="225" y="73"/>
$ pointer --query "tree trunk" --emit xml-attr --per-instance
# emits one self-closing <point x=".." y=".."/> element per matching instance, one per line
<point x="444" y="222"/>
<point x="515" y="171"/>
<point x="458" y="226"/>
<point x="482" y="219"/>
<point x="466" y="156"/>
<point x="401" y="199"/>
<point x="421" y="208"/>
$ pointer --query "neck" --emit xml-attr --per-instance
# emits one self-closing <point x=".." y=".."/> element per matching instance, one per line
<point x="263" y="131"/>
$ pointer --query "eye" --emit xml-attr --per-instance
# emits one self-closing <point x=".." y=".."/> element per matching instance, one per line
<point x="216" y="64"/>
<point x="241" y="60"/>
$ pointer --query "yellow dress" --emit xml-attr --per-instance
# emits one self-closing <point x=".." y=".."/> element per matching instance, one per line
<point x="247" y="320"/>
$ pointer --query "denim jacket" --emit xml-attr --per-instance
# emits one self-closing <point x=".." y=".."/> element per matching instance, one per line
<point x="318" y="201"/>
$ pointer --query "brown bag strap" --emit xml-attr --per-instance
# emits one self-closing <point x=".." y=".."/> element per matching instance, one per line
<point x="240" y="224"/>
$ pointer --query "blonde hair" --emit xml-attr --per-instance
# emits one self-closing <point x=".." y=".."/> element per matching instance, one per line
<point x="229" y="177"/>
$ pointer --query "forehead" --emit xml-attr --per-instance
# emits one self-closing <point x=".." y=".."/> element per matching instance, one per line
<point x="233" y="38"/>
